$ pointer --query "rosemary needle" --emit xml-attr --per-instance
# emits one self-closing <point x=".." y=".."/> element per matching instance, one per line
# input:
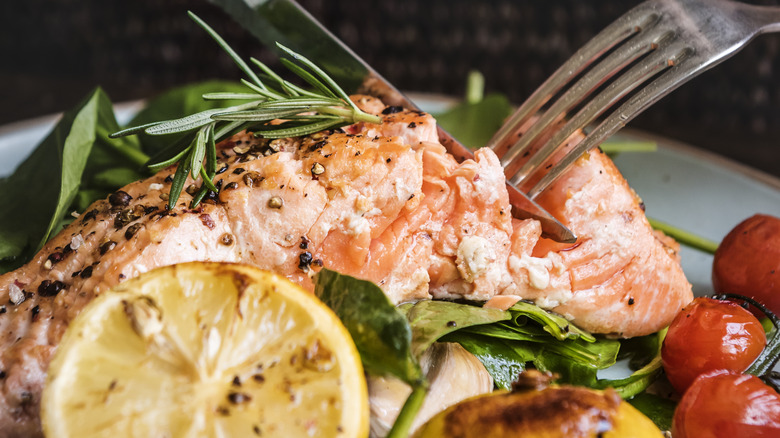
<point x="304" y="112"/>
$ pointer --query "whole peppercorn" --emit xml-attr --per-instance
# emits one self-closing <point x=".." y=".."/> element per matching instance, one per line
<point x="119" y="199"/>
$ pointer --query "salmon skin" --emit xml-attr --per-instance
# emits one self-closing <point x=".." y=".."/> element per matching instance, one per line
<point x="381" y="202"/>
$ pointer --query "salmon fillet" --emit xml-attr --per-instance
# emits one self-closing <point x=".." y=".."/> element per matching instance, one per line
<point x="381" y="202"/>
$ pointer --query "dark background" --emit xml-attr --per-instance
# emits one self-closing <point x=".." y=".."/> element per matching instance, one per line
<point x="53" y="52"/>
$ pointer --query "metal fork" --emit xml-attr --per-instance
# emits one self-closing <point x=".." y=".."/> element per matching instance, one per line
<point x="641" y="57"/>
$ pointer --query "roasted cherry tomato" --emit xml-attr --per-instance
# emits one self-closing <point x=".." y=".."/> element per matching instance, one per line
<point x="723" y="404"/>
<point x="747" y="261"/>
<point x="710" y="335"/>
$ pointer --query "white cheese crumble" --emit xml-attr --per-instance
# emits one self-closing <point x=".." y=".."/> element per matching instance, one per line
<point x="15" y="294"/>
<point x="76" y="241"/>
<point x="474" y="257"/>
<point x="538" y="269"/>
<point x="356" y="225"/>
<point x="402" y="190"/>
<point x="156" y="186"/>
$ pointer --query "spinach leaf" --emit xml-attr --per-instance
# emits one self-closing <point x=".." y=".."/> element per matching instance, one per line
<point x="381" y="333"/>
<point x="640" y="350"/>
<point x="111" y="164"/>
<point x="640" y="379"/>
<point x="430" y="320"/>
<point x="658" y="409"/>
<point x="473" y="124"/>
<point x="569" y="371"/>
<point x="53" y="173"/>
<point x="180" y="102"/>
<point x="504" y="360"/>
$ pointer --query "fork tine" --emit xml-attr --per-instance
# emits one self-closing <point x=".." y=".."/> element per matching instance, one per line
<point x="600" y="103"/>
<point x="670" y="79"/>
<point x="618" y="31"/>
<point x="616" y="62"/>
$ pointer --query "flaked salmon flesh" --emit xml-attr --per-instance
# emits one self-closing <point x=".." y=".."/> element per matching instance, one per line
<point x="380" y="202"/>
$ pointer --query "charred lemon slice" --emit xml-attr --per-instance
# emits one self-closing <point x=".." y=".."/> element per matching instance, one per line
<point x="206" y="350"/>
<point x="543" y="412"/>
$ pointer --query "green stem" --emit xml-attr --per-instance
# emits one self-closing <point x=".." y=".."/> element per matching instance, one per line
<point x="685" y="237"/>
<point x="134" y="155"/>
<point x="640" y="379"/>
<point x="475" y="87"/>
<point x="349" y="114"/>
<point x="408" y="412"/>
<point x="368" y="118"/>
<point x="765" y="362"/>
<point x="628" y="146"/>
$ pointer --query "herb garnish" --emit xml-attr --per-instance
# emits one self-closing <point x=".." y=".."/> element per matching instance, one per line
<point x="303" y="112"/>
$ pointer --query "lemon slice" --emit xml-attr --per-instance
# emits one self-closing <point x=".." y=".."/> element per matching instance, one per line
<point x="555" y="411"/>
<point x="206" y="350"/>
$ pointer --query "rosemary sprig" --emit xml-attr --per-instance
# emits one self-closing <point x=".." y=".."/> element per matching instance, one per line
<point x="304" y="112"/>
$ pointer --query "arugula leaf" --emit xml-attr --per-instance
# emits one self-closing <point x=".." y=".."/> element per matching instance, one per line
<point x="596" y="355"/>
<point x="380" y="332"/>
<point x="552" y="323"/>
<point x="53" y="172"/>
<point x="430" y="320"/>
<point x="473" y="124"/>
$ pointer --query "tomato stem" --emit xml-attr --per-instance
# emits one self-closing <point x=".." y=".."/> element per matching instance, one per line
<point x="768" y="358"/>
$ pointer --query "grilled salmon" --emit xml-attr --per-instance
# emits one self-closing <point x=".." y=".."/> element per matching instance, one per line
<point x="381" y="202"/>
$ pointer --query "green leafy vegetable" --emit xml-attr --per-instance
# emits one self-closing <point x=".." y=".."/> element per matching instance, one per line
<point x="656" y="408"/>
<point x="430" y="320"/>
<point x="548" y="342"/>
<point x="597" y="355"/>
<point x="474" y="121"/>
<point x="501" y="359"/>
<point x="552" y="323"/>
<point x="304" y="112"/>
<point x="381" y="333"/>
<point x="641" y="350"/>
<point x="473" y="124"/>
<point x="67" y="166"/>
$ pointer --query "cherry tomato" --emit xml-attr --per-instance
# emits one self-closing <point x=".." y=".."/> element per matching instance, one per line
<point x="747" y="261"/>
<point x="723" y="404"/>
<point x="710" y="335"/>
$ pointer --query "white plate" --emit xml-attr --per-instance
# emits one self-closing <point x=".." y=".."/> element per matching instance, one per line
<point x="681" y="185"/>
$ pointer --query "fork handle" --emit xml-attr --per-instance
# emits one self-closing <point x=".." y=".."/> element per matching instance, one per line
<point x="764" y="19"/>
